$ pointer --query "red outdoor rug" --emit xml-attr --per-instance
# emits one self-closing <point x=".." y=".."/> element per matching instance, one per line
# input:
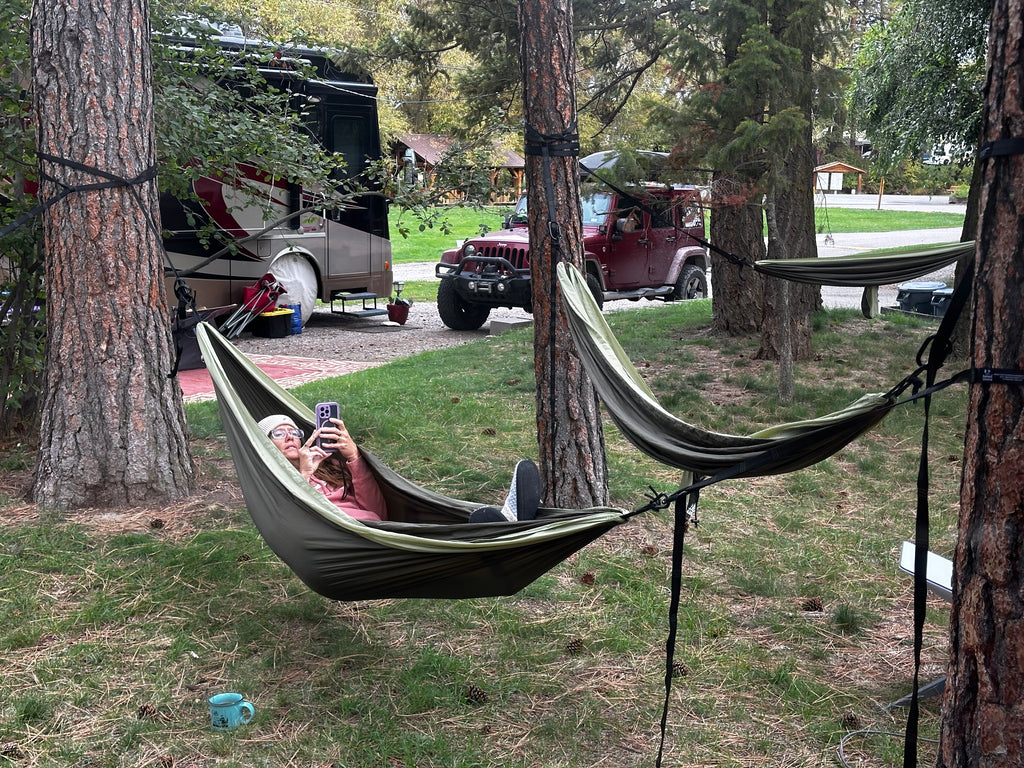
<point x="287" y="371"/>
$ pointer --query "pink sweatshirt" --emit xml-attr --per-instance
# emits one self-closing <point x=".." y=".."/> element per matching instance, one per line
<point x="364" y="500"/>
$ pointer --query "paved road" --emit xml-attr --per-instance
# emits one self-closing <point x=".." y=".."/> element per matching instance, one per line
<point x="828" y="245"/>
<point x="934" y="203"/>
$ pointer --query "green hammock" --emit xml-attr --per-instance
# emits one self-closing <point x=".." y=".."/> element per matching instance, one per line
<point x="671" y="441"/>
<point x="879" y="268"/>
<point x="427" y="548"/>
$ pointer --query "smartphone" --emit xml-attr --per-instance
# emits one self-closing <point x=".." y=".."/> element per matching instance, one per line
<point x="324" y="413"/>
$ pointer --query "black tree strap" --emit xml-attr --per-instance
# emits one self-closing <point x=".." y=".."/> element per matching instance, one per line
<point x="185" y="296"/>
<point x="1001" y="148"/>
<point x="112" y="181"/>
<point x="546" y="146"/>
<point x="684" y="506"/>
<point x="937" y="348"/>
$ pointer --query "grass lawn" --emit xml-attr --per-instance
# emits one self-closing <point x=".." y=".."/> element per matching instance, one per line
<point x="795" y="625"/>
<point x="459" y="223"/>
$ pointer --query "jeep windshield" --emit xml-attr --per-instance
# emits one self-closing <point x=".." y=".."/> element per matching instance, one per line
<point x="596" y="206"/>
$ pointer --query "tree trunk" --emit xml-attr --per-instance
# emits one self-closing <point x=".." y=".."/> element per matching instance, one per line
<point x="794" y="203"/>
<point x="782" y="314"/>
<point x="569" y="433"/>
<point x="983" y="711"/>
<point x="112" y="430"/>
<point x="737" y="226"/>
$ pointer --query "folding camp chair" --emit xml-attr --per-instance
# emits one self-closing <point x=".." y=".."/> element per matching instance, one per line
<point x="263" y="297"/>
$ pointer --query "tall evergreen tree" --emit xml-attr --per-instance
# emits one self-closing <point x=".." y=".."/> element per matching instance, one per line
<point x="569" y="429"/>
<point x="759" y="82"/>
<point x="113" y="426"/>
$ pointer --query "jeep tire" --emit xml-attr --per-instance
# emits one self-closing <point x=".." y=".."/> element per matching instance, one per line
<point x="455" y="312"/>
<point x="595" y="290"/>
<point x="692" y="284"/>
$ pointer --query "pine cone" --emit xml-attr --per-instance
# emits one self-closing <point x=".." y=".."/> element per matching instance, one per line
<point x="11" y="751"/>
<point x="679" y="669"/>
<point x="147" y="712"/>
<point x="813" y="604"/>
<point x="850" y="720"/>
<point x="574" y="647"/>
<point x="475" y="694"/>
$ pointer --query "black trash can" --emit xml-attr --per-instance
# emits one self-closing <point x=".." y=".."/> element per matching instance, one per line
<point x="940" y="301"/>
<point x="916" y="296"/>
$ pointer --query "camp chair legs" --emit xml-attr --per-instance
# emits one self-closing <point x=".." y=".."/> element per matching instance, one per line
<point x="265" y="291"/>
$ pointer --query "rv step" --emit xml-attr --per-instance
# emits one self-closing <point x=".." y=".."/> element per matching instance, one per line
<point x="367" y="304"/>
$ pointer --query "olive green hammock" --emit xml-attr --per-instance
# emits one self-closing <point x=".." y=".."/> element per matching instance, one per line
<point x="878" y="268"/>
<point x="427" y="548"/>
<point x="671" y="441"/>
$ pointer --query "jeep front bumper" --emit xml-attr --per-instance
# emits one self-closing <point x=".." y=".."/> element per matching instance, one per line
<point x="489" y="281"/>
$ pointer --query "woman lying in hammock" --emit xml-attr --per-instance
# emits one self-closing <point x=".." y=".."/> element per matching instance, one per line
<point x="345" y="479"/>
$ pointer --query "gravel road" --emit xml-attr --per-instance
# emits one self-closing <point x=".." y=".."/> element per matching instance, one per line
<point x="342" y="337"/>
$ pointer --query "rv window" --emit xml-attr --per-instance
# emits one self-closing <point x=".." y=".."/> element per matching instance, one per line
<point x="351" y="138"/>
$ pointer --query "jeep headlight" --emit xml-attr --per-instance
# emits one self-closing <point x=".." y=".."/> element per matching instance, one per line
<point x="469" y="251"/>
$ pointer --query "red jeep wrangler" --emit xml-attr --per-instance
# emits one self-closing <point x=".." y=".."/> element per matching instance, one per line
<point x="637" y="245"/>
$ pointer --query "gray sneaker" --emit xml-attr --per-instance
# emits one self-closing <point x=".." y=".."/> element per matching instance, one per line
<point x="524" y="494"/>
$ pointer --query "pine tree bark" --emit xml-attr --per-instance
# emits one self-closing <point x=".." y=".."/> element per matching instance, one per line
<point x="795" y="233"/>
<point x="737" y="227"/>
<point x="112" y="426"/>
<point x="570" y="437"/>
<point x="983" y="710"/>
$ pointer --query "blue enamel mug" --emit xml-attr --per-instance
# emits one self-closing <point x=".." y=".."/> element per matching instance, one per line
<point x="229" y="710"/>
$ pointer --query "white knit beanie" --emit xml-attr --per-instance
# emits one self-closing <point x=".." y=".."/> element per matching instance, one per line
<point x="275" y="421"/>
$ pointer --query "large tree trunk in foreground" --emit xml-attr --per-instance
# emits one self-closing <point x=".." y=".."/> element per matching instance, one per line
<point x="112" y="426"/>
<point x="983" y="711"/>
<point x="569" y="433"/>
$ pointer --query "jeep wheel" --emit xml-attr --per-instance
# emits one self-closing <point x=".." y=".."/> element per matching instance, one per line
<point x="456" y="313"/>
<point x="595" y="289"/>
<point x="692" y="284"/>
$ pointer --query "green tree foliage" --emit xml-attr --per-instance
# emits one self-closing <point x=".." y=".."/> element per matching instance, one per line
<point x="619" y="49"/>
<point x="917" y="79"/>
<point x="22" y="321"/>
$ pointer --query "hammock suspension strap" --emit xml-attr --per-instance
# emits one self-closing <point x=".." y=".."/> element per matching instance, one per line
<point x="1002" y="148"/>
<point x="109" y="180"/>
<point x="685" y="510"/>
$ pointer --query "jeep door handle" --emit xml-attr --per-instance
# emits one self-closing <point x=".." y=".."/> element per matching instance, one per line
<point x="671" y="239"/>
<point x="643" y="241"/>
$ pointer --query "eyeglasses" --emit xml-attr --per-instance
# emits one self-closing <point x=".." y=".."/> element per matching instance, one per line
<point x="279" y="433"/>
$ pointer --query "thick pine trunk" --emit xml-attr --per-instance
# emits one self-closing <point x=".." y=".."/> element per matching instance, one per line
<point x="983" y="711"/>
<point x="112" y="423"/>
<point x="795" y="238"/>
<point x="737" y="227"/>
<point x="569" y="432"/>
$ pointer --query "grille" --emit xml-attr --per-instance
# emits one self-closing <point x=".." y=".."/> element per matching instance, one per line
<point x="518" y="257"/>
